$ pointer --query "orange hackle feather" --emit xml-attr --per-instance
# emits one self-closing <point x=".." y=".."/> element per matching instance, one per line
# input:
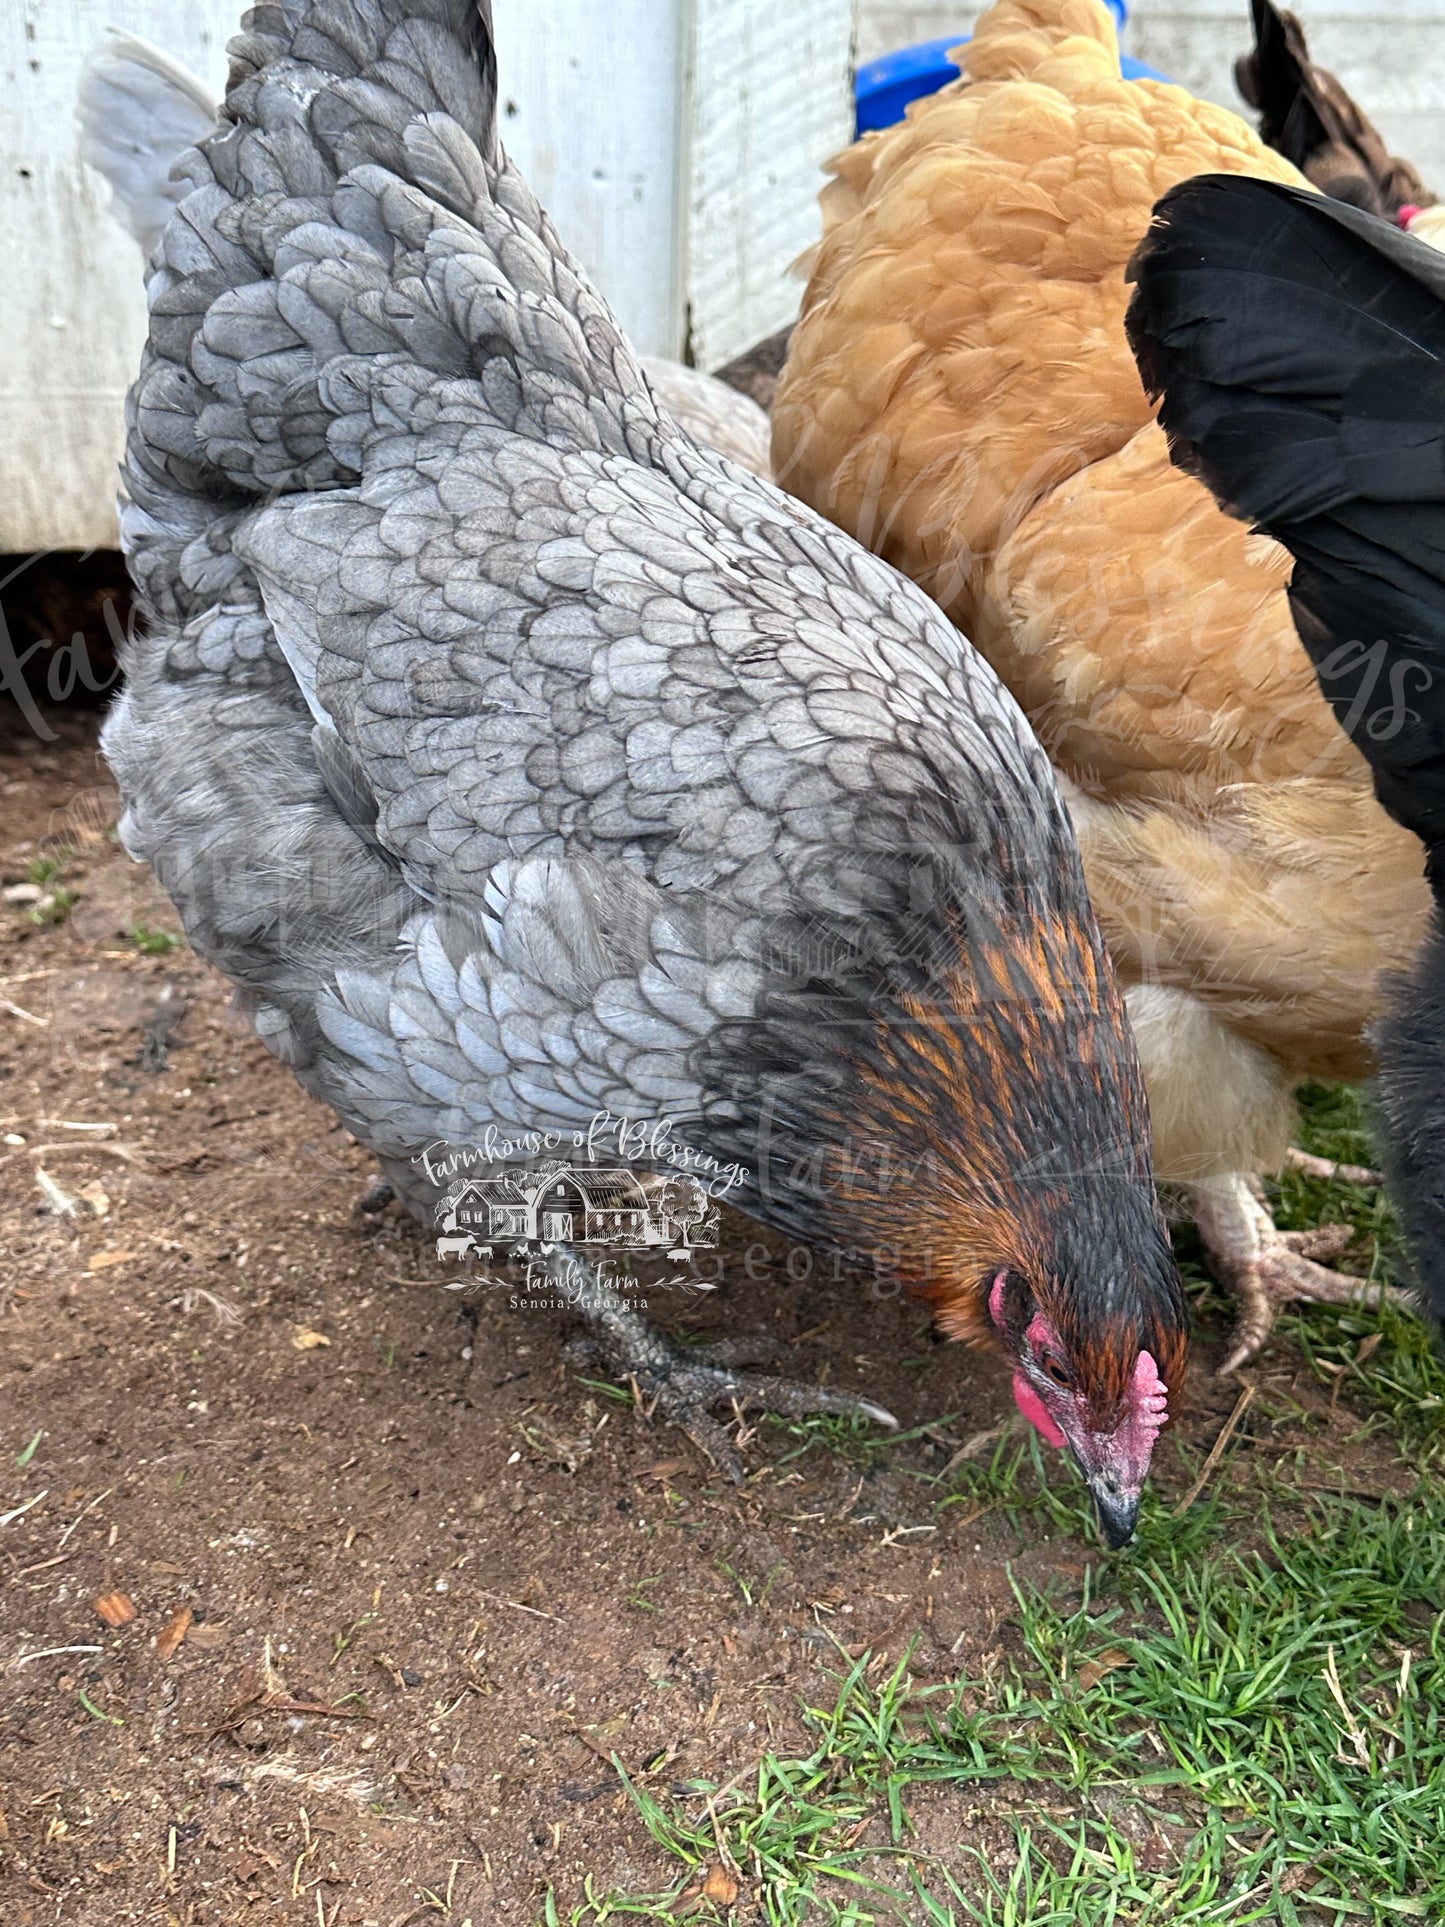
<point x="1038" y="1009"/>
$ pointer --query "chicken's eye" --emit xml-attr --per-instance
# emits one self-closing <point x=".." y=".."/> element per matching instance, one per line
<point x="1058" y="1372"/>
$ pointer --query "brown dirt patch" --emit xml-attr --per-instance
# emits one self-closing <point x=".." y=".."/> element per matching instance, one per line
<point x="434" y="1582"/>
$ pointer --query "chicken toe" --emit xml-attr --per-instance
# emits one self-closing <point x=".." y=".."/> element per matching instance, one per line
<point x="685" y="1382"/>
<point x="1265" y="1268"/>
<point x="1330" y="1169"/>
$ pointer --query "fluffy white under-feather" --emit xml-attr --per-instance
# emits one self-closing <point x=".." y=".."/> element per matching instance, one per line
<point x="139" y="111"/>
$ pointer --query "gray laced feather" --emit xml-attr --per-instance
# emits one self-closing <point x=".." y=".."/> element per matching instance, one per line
<point x="500" y="742"/>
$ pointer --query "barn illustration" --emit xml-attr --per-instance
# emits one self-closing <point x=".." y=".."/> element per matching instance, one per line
<point x="567" y="1204"/>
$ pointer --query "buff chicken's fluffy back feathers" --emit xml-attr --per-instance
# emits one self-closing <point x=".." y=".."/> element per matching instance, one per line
<point x="960" y="394"/>
<point x="950" y="290"/>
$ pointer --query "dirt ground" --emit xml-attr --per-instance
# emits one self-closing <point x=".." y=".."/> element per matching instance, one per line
<point x="429" y="1581"/>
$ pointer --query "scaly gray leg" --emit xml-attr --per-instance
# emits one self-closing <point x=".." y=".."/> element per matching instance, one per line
<point x="684" y="1382"/>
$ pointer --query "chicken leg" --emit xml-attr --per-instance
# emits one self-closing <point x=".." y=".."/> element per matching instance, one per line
<point x="684" y="1381"/>
<point x="1264" y="1267"/>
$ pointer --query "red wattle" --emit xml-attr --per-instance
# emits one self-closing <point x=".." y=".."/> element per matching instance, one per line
<point x="1035" y="1411"/>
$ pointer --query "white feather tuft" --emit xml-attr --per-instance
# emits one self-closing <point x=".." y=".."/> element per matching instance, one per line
<point x="139" y="112"/>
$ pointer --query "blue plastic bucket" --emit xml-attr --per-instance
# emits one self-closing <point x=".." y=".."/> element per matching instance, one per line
<point x="886" y="85"/>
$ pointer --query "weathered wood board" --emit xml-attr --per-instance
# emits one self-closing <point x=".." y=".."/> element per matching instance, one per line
<point x="677" y="144"/>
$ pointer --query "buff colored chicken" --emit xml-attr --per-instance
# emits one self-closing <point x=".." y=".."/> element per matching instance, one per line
<point x="960" y="394"/>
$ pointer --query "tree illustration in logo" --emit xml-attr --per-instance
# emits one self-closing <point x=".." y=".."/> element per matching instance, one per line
<point x="691" y="1210"/>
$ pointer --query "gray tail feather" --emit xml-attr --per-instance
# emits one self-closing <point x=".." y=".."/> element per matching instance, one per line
<point x="139" y="112"/>
<point x="319" y="91"/>
<point x="295" y="270"/>
<point x="348" y="39"/>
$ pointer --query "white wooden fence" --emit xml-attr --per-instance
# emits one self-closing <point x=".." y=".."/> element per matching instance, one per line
<point x="676" y="142"/>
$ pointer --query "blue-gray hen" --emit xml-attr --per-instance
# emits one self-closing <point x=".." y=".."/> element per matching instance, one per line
<point x="521" y="760"/>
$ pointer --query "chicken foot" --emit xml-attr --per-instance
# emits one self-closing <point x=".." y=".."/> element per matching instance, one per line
<point x="1264" y="1267"/>
<point x="1330" y="1169"/>
<point x="683" y="1382"/>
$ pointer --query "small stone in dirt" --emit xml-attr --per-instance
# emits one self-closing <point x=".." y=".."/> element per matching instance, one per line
<point x="98" y="1198"/>
<point x="103" y="1260"/>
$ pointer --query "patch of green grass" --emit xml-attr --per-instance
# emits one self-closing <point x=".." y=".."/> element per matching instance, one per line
<point x="341" y="1641"/>
<point x="47" y="869"/>
<point x="1207" y="1735"/>
<point x="154" y="943"/>
<point x="1239" y="1720"/>
<point x="840" y="1435"/>
<point x="607" y="1388"/>
<point x="638" y="1596"/>
<point x="45" y="873"/>
<point x="1031" y="1486"/>
<point x="54" y="907"/>
<point x="845" y="1435"/>
<point x="98" y="1712"/>
<point x="1335" y="1121"/>
<point x="754" y="1592"/>
<point x="1382" y="1362"/>
<point x="1016" y="1482"/>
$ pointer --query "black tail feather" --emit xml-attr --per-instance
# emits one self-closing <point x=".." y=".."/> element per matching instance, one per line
<point x="1298" y="346"/>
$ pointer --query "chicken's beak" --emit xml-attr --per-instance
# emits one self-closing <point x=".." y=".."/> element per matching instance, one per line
<point x="1118" y="1510"/>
